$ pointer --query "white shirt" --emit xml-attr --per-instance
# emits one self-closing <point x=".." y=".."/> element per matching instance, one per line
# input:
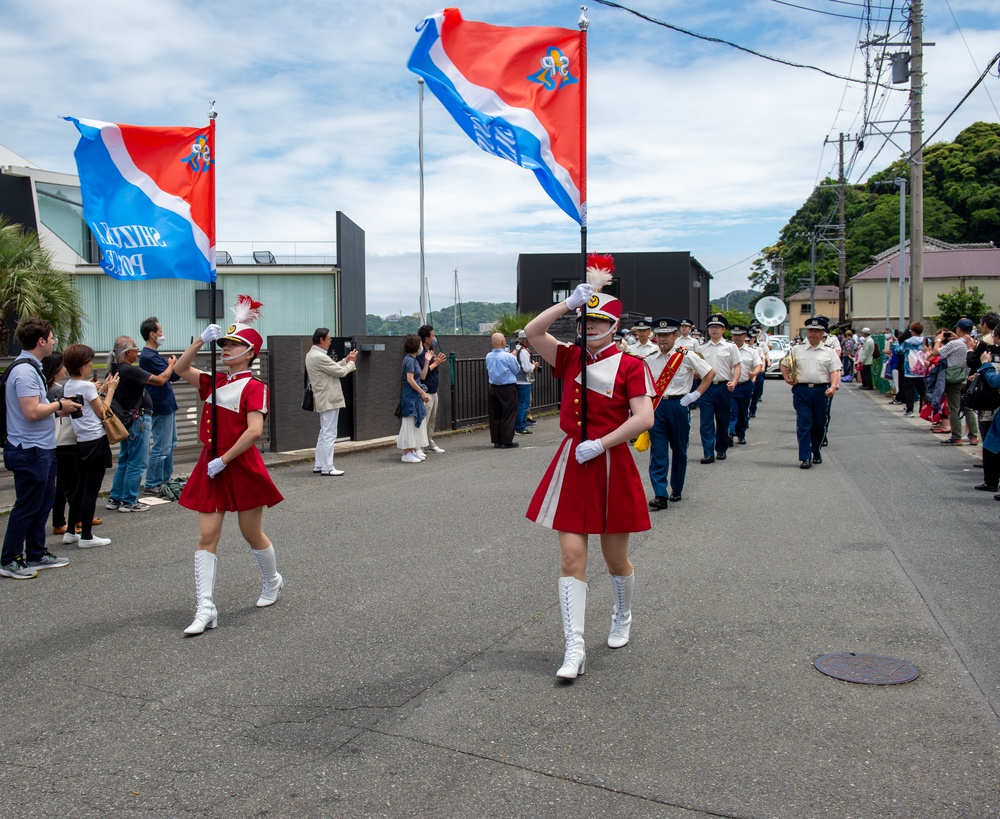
<point x="833" y="342"/>
<point x="815" y="365"/>
<point x="643" y="350"/>
<point x="693" y="365"/>
<point x="722" y="357"/>
<point x="749" y="360"/>
<point x="88" y="427"/>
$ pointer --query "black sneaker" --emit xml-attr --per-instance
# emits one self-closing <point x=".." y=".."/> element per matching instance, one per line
<point x="112" y="504"/>
<point x="133" y="507"/>
<point x="17" y="570"/>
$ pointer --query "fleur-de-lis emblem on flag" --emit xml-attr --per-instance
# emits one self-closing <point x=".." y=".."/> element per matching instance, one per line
<point x="555" y="70"/>
<point x="200" y="158"/>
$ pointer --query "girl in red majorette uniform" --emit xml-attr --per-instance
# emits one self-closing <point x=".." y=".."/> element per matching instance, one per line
<point x="592" y="487"/>
<point x="233" y="478"/>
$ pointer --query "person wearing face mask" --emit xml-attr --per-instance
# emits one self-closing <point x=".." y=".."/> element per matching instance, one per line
<point x="230" y="475"/>
<point x="132" y="402"/>
<point x="163" y="425"/>
<point x="592" y="486"/>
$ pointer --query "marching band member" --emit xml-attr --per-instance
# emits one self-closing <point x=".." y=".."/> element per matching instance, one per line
<point x="592" y="487"/>
<point x="685" y="340"/>
<point x="813" y="371"/>
<point x="236" y="480"/>
<point x="758" y="339"/>
<point x="643" y="348"/>
<point x="674" y="370"/>
<point x="723" y="357"/>
<point x="750" y="369"/>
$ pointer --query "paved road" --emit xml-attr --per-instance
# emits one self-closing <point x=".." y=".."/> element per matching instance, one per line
<point x="408" y="667"/>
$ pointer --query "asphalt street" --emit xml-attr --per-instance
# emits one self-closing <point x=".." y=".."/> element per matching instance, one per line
<point x="407" y="669"/>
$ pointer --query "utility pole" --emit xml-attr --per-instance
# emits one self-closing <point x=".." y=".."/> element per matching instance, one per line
<point x="916" y="162"/>
<point x="842" y="239"/>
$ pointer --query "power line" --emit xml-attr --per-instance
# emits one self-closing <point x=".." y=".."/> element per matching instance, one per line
<point x="975" y="85"/>
<point x="817" y="11"/>
<point x="727" y="42"/>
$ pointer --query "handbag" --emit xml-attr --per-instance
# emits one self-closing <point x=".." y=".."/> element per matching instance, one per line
<point x="307" y="397"/>
<point x="114" y="427"/>
<point x="123" y="415"/>
<point x="956" y="374"/>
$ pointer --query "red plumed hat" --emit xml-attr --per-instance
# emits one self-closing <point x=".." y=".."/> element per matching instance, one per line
<point x="245" y="312"/>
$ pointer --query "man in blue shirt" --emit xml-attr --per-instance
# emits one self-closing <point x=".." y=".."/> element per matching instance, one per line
<point x="502" y="407"/>
<point x="163" y="428"/>
<point x="30" y="453"/>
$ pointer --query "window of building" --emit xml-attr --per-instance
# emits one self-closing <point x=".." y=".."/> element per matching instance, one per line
<point x="61" y="211"/>
<point x="805" y="307"/>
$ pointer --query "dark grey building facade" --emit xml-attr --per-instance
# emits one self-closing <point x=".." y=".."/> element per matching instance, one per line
<point x="649" y="284"/>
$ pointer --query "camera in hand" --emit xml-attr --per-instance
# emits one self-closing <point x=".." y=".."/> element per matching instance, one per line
<point x="77" y="413"/>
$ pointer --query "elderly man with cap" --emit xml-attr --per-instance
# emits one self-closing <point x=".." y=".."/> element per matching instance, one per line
<point x="723" y="357"/>
<point x="592" y="485"/>
<point x="813" y="371"/>
<point x="643" y="348"/>
<point x="674" y="370"/>
<point x="750" y="370"/>
<point x="525" y="378"/>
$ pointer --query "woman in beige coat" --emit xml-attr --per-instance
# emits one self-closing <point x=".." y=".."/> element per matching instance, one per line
<point x="328" y="396"/>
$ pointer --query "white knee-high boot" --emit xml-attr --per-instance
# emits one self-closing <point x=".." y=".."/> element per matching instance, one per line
<point x="621" y="617"/>
<point x="206" y="615"/>
<point x="273" y="581"/>
<point x="573" y="606"/>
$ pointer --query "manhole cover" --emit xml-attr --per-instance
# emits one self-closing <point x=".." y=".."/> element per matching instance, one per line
<point x="870" y="669"/>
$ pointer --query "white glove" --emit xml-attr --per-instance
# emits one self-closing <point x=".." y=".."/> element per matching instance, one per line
<point x="211" y="333"/>
<point x="215" y="467"/>
<point x="690" y="398"/>
<point x="580" y="296"/>
<point x="587" y="450"/>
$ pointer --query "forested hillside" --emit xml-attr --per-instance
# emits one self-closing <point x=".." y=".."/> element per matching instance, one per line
<point x="961" y="204"/>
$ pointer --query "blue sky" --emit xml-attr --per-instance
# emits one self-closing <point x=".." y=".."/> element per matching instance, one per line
<point x="692" y="145"/>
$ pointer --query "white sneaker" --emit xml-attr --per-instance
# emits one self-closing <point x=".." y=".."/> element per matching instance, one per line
<point x="94" y="541"/>
<point x="68" y="538"/>
<point x="421" y="455"/>
<point x="410" y="458"/>
<point x="334" y="472"/>
<point x="436" y="448"/>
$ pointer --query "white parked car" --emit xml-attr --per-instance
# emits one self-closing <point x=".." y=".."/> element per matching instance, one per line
<point x="779" y="349"/>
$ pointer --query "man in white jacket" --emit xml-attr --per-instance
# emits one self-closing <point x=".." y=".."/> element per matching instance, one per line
<point x="328" y="396"/>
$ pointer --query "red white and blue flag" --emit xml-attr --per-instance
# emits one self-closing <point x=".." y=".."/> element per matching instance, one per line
<point x="149" y="198"/>
<point x="519" y="93"/>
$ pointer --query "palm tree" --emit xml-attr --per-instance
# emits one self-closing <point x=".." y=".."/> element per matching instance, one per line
<point x="31" y="286"/>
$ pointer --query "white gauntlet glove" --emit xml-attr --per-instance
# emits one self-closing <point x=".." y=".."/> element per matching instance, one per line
<point x="690" y="398"/>
<point x="211" y="333"/>
<point x="215" y="467"/>
<point x="580" y="296"/>
<point x="588" y="450"/>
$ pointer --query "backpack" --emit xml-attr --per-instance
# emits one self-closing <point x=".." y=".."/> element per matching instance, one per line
<point x="876" y="352"/>
<point x="3" y="404"/>
<point x="980" y="396"/>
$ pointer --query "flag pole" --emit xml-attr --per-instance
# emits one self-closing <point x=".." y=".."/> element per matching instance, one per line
<point x="583" y="23"/>
<point x="213" y="436"/>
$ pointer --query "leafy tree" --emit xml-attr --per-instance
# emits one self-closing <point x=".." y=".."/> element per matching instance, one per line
<point x="31" y="286"/>
<point x="510" y="322"/>
<point x="960" y="303"/>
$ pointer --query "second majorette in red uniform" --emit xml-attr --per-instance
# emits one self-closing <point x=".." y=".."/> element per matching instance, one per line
<point x="592" y="486"/>
<point x="230" y="475"/>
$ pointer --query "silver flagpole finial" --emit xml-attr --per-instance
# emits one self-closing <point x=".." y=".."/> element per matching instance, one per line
<point x="583" y="22"/>
<point x="212" y="114"/>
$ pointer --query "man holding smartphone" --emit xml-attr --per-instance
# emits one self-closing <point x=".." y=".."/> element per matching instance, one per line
<point x="29" y="451"/>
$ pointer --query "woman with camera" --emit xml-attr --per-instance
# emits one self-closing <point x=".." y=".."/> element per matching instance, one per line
<point x="92" y="442"/>
<point x="66" y="449"/>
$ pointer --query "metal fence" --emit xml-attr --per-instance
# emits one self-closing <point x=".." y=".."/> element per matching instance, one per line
<point x="470" y="390"/>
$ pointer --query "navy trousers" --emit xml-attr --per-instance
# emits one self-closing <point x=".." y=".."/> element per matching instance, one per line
<point x="739" y="409"/>
<point x="758" y="393"/>
<point x="669" y="436"/>
<point x="714" y="427"/>
<point x="810" y="418"/>
<point x="34" y="491"/>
